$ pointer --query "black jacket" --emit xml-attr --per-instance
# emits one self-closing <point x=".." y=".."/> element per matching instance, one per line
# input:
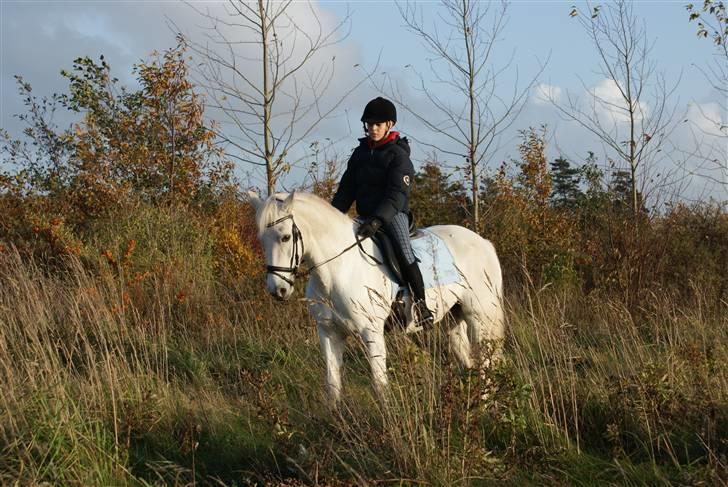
<point x="377" y="179"/>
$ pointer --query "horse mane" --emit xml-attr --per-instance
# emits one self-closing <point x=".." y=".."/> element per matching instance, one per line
<point x="271" y="211"/>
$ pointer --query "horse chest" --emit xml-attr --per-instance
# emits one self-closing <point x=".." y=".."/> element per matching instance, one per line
<point x="349" y="309"/>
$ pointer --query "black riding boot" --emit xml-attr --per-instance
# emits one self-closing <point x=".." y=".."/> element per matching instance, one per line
<point x="423" y="315"/>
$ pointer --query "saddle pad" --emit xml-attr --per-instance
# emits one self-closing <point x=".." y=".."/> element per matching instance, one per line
<point x="436" y="262"/>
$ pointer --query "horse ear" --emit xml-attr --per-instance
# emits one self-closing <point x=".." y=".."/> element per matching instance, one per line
<point x="255" y="200"/>
<point x="288" y="203"/>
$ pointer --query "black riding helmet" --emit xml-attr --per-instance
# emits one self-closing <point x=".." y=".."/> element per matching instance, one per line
<point x="379" y="110"/>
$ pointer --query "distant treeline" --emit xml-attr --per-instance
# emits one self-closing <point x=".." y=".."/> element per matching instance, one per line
<point x="557" y="223"/>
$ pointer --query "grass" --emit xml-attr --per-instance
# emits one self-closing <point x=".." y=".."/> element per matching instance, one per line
<point x="112" y="381"/>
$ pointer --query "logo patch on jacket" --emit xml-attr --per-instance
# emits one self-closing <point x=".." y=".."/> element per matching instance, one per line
<point x="406" y="180"/>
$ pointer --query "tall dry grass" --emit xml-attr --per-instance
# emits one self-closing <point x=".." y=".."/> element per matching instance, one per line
<point x="92" y="370"/>
<point x="107" y="385"/>
<point x="646" y="389"/>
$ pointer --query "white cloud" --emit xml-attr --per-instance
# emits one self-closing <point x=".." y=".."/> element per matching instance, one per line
<point x="609" y="104"/>
<point x="545" y="94"/>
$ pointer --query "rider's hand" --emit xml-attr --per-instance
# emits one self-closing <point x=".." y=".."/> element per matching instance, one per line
<point x="369" y="227"/>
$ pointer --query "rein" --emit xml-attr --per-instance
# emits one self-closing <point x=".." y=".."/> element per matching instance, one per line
<point x="296" y="256"/>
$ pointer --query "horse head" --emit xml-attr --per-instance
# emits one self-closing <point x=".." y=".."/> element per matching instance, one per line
<point x="281" y="240"/>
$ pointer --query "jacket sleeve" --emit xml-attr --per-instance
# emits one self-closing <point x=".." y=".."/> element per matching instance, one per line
<point x="346" y="192"/>
<point x="396" y="193"/>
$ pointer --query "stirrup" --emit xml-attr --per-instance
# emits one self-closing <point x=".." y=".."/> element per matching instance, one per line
<point x="422" y="315"/>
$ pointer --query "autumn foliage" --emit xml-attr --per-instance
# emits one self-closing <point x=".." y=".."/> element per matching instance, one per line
<point x="152" y="145"/>
<point x="530" y="233"/>
<point x="130" y="153"/>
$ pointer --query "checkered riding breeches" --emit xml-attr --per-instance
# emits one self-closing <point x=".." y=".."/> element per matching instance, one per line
<point x="398" y="231"/>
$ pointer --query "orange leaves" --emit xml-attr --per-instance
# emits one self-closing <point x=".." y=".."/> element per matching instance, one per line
<point x="237" y="252"/>
<point x="150" y="147"/>
<point x="125" y="256"/>
<point x="535" y="178"/>
<point x="130" y="246"/>
<point x="123" y="305"/>
<point x="173" y="112"/>
<point x="234" y="256"/>
<point x="138" y="278"/>
<point x="180" y="297"/>
<point x="109" y="257"/>
<point x="55" y="235"/>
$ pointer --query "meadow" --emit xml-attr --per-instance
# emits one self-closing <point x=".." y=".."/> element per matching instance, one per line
<point x="143" y="364"/>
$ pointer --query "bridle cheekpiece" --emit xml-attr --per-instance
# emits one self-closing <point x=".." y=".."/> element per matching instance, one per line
<point x="296" y="255"/>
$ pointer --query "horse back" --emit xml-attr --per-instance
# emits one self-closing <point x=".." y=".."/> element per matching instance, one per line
<point x="473" y="255"/>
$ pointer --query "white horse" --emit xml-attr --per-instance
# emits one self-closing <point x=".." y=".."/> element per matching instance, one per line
<point x="351" y="294"/>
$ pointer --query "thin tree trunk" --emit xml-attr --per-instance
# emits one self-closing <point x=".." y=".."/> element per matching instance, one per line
<point x="170" y="117"/>
<point x="632" y="146"/>
<point x="472" y="146"/>
<point x="270" y="176"/>
<point x="476" y="199"/>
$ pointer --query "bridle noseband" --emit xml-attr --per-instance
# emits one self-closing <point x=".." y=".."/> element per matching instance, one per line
<point x="297" y="254"/>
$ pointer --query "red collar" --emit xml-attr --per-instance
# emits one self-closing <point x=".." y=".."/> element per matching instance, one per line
<point x="389" y="138"/>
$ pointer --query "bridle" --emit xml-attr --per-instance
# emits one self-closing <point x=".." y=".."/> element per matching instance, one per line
<point x="295" y="255"/>
<point x="298" y="251"/>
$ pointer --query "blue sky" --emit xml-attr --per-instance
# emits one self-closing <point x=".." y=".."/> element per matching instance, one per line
<point x="535" y="29"/>
<point x="39" y="39"/>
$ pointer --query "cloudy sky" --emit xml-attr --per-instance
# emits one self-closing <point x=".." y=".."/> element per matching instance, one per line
<point x="39" y="38"/>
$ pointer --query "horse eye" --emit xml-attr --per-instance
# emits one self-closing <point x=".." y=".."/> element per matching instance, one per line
<point x="285" y="238"/>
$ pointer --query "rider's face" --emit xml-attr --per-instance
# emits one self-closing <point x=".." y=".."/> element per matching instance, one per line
<point x="377" y="130"/>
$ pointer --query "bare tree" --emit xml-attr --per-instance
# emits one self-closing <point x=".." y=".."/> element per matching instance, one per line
<point x="464" y="106"/>
<point x="711" y="138"/>
<point x="630" y="110"/>
<point x="258" y="68"/>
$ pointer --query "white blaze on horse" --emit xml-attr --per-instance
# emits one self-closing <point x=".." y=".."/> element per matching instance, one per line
<point x="350" y="293"/>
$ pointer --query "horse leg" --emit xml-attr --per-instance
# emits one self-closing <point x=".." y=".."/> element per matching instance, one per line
<point x="486" y="329"/>
<point x="332" y="347"/>
<point x="377" y="353"/>
<point x="486" y="344"/>
<point x="460" y="343"/>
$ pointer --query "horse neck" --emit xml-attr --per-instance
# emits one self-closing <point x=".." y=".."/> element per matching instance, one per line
<point x="326" y="235"/>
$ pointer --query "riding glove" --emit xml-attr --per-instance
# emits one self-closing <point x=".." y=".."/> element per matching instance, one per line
<point x="369" y="227"/>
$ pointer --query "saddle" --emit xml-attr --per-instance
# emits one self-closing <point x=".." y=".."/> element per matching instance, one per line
<point x="389" y="255"/>
<point x="436" y="264"/>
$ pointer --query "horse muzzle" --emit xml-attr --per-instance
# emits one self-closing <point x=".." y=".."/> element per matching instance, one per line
<point x="279" y="289"/>
<point x="282" y="293"/>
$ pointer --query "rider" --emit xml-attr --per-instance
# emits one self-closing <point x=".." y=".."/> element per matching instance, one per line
<point x="378" y="177"/>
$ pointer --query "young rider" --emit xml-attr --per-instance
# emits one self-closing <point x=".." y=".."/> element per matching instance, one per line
<point x="378" y="177"/>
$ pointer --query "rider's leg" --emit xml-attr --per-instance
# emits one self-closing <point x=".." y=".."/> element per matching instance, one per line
<point x="414" y="278"/>
<point x="398" y="231"/>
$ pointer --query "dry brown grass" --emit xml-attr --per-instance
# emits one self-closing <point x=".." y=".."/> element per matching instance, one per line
<point x="101" y="386"/>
